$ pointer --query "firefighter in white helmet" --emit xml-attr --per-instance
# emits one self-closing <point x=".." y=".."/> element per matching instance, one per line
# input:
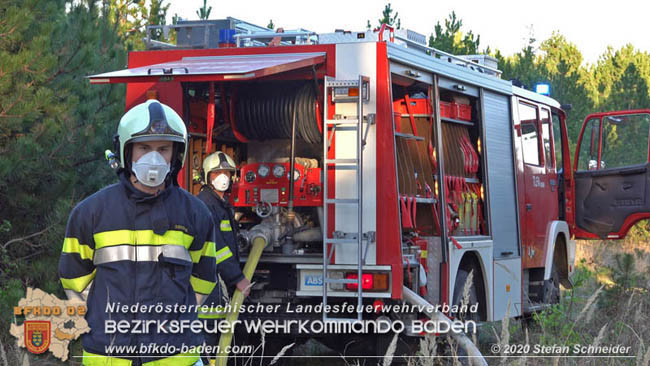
<point x="218" y="169"/>
<point x="142" y="244"/>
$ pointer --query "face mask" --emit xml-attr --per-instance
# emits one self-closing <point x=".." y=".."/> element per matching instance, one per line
<point x="221" y="182"/>
<point x="151" y="169"/>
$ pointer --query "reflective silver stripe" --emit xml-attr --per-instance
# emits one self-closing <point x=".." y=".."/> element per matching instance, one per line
<point x="225" y="225"/>
<point x="79" y="296"/>
<point x="200" y="298"/>
<point x="74" y="295"/>
<point x="176" y="251"/>
<point x="145" y="253"/>
<point x="223" y="254"/>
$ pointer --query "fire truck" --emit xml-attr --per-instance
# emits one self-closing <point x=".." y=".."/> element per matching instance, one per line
<point x="372" y="164"/>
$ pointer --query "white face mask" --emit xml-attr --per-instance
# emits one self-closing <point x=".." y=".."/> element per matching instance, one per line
<point x="151" y="169"/>
<point x="221" y="182"/>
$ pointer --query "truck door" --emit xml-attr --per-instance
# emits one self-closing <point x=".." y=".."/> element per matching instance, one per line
<point x="612" y="174"/>
<point x="540" y="204"/>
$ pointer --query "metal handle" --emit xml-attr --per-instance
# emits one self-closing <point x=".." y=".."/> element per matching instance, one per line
<point x="168" y="70"/>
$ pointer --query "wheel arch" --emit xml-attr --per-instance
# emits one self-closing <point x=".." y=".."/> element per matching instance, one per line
<point x="561" y="249"/>
<point x="471" y="260"/>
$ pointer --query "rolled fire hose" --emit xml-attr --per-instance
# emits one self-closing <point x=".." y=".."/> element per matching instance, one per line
<point x="259" y="242"/>
<point x="475" y="356"/>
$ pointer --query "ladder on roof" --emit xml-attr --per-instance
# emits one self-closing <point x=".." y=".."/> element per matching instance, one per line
<point x="339" y="92"/>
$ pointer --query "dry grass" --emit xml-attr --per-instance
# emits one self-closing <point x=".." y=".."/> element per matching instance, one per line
<point x="600" y="311"/>
<point x="390" y="352"/>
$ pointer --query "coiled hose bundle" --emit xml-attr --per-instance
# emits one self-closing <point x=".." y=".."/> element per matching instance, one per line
<point x="265" y="111"/>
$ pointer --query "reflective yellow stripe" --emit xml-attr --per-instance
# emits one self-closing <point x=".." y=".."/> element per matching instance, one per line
<point x="423" y="254"/>
<point x="71" y="245"/>
<point x="212" y="313"/>
<point x="92" y="359"/>
<point x="183" y="359"/>
<point x="78" y="284"/>
<point x="147" y="237"/>
<point x="223" y="254"/>
<point x="225" y="225"/>
<point x="208" y="250"/>
<point x="201" y="286"/>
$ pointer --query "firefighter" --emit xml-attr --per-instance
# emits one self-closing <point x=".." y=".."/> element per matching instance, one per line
<point x="142" y="250"/>
<point x="218" y="169"/>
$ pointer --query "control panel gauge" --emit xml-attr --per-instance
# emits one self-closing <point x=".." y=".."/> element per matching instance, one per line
<point x="263" y="170"/>
<point x="250" y="176"/>
<point x="278" y="171"/>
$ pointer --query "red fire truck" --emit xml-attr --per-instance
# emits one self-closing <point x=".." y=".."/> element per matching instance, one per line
<point x="370" y="162"/>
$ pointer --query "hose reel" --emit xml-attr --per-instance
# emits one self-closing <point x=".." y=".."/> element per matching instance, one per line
<point x="264" y="111"/>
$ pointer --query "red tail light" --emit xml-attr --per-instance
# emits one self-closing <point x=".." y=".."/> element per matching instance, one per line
<point x="369" y="281"/>
<point x="366" y="281"/>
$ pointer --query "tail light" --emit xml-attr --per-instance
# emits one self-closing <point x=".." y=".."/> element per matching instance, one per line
<point x="369" y="281"/>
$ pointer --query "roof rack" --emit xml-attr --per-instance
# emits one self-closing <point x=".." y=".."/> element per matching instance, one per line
<point x="465" y="61"/>
<point x="239" y="33"/>
<point x="287" y="37"/>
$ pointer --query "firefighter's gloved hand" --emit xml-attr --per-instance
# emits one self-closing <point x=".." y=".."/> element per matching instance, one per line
<point x="244" y="286"/>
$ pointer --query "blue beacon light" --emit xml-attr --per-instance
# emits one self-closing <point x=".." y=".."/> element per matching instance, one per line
<point x="543" y="89"/>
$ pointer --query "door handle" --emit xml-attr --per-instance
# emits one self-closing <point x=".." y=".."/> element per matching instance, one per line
<point x="529" y="206"/>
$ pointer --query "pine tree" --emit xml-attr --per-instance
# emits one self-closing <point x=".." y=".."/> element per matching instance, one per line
<point x="452" y="39"/>
<point x="54" y="127"/>
<point x="389" y="18"/>
<point x="204" y="12"/>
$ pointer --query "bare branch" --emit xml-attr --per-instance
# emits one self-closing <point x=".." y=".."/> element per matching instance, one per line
<point x="24" y="238"/>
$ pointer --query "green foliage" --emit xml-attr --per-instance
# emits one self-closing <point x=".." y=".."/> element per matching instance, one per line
<point x="204" y="12"/>
<point x="625" y="279"/>
<point x="452" y="39"/>
<point x="387" y="17"/>
<point x="155" y="15"/>
<point x="53" y="128"/>
<point x="129" y="18"/>
<point x="557" y="325"/>
<point x="270" y="25"/>
<point x="618" y="81"/>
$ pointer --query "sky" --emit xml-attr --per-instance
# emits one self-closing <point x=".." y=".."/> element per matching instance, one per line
<point x="504" y="25"/>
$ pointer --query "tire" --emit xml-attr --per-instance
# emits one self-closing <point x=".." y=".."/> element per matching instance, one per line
<point x="552" y="287"/>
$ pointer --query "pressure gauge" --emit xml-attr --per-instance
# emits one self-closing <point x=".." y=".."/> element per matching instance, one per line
<point x="296" y="175"/>
<point x="250" y="176"/>
<point x="278" y="171"/>
<point x="263" y="170"/>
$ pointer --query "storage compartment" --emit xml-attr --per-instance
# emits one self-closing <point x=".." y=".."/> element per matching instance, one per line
<point x="463" y="162"/>
<point x="416" y="159"/>
<point x="251" y="122"/>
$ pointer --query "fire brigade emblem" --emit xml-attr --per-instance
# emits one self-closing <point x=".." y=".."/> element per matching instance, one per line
<point x="37" y="335"/>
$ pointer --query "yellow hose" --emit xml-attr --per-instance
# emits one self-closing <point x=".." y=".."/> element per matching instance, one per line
<point x="226" y="338"/>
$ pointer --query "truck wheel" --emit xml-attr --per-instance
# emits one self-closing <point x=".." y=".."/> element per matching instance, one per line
<point x="461" y="277"/>
<point x="552" y="287"/>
